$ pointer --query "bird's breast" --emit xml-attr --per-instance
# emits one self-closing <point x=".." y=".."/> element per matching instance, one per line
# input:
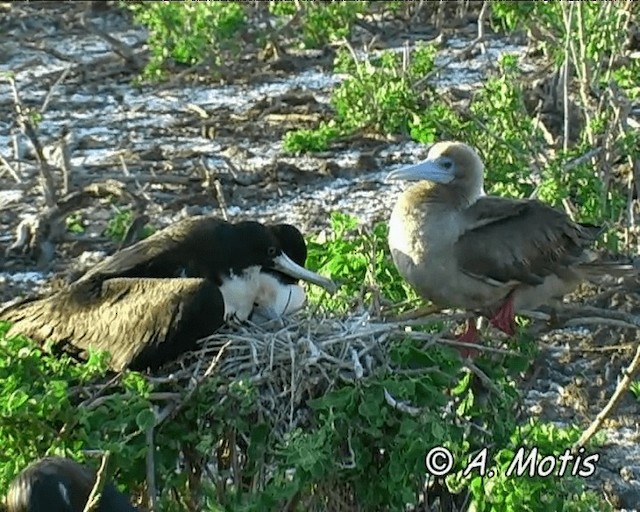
<point x="422" y="243"/>
<point x="423" y="235"/>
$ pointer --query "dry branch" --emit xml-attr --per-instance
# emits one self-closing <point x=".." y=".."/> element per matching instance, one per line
<point x="101" y="480"/>
<point x="118" y="46"/>
<point x="151" y="468"/>
<point x="8" y="168"/>
<point x="37" y="236"/>
<point x="621" y="389"/>
<point x="134" y="231"/>
<point x="27" y="128"/>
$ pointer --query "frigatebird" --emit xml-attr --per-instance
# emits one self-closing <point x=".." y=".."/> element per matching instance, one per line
<point x="152" y="301"/>
<point x="58" y="484"/>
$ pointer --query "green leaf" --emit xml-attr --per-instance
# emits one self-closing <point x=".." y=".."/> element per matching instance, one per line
<point x="145" y="419"/>
<point x="339" y="399"/>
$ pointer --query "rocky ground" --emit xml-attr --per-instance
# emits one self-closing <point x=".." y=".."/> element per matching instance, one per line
<point x="194" y="146"/>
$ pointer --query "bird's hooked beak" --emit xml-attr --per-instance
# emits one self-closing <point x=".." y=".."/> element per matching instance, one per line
<point x="286" y="265"/>
<point x="428" y="170"/>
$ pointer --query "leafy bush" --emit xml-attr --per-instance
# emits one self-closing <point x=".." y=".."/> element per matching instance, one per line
<point x="376" y="95"/>
<point x="322" y="22"/>
<point x="187" y="33"/>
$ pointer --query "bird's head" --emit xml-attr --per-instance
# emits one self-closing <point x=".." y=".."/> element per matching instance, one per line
<point x="274" y="249"/>
<point x="448" y="163"/>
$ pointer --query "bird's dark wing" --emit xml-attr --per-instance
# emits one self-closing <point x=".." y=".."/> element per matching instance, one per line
<point x="141" y="322"/>
<point x="520" y="241"/>
<point x="167" y="253"/>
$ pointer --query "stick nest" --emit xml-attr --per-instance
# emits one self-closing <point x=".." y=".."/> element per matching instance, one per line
<point x="290" y="361"/>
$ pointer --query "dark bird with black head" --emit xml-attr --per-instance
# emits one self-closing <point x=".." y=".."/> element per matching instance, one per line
<point x="58" y="484"/>
<point x="282" y="295"/>
<point x="495" y="256"/>
<point x="135" y="305"/>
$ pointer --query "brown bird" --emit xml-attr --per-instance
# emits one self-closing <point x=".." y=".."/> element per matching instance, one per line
<point x="460" y="248"/>
<point x="57" y="484"/>
<point x="132" y="305"/>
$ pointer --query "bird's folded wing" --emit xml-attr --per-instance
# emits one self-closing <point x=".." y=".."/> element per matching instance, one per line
<point x="519" y="241"/>
<point x="136" y="320"/>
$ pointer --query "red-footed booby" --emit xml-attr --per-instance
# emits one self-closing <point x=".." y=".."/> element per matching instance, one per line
<point x="461" y="248"/>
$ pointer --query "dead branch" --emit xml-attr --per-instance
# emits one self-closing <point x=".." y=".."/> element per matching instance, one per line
<point x="419" y="312"/>
<point x="38" y="236"/>
<point x="621" y="389"/>
<point x="8" y="168"/>
<point x="151" y="468"/>
<point x="118" y="46"/>
<point x="134" y="231"/>
<point x="27" y="128"/>
<point x="101" y="480"/>
<point x="52" y="89"/>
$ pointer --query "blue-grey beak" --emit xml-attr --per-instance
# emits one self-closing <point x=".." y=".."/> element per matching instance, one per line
<point x="428" y="170"/>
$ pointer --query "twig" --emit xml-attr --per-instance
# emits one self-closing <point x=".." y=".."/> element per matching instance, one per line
<point x="221" y="200"/>
<point x="28" y="130"/>
<point x="401" y="406"/>
<point x="151" y="467"/>
<point x="600" y="321"/>
<point x="134" y="231"/>
<point x="568" y="19"/>
<point x="47" y="99"/>
<point x="475" y="346"/>
<point x="623" y="386"/>
<point x="633" y="320"/>
<point x="18" y="150"/>
<point x="440" y="17"/>
<point x="64" y="158"/>
<point x="292" y="354"/>
<point x="571" y="164"/>
<point x="420" y="312"/>
<point x="171" y="412"/>
<point x="101" y="480"/>
<point x="596" y="316"/>
<point x="486" y="381"/>
<point x="38" y="235"/>
<point x="118" y="46"/>
<point x="10" y="169"/>
<point x="480" y="38"/>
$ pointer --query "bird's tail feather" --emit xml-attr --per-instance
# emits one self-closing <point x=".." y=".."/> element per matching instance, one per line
<point x="597" y="269"/>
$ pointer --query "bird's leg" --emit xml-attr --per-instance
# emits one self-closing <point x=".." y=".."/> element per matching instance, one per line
<point x="504" y="318"/>
<point x="470" y="335"/>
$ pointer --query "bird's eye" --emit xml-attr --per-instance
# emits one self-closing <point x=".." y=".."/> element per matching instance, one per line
<point x="271" y="251"/>
<point x="447" y="164"/>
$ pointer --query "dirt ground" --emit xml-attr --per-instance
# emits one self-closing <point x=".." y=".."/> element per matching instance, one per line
<point x="196" y="145"/>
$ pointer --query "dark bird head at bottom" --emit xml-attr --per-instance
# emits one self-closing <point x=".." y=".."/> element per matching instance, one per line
<point x="57" y="484"/>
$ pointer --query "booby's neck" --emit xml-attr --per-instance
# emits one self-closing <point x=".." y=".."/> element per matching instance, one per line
<point x="428" y="194"/>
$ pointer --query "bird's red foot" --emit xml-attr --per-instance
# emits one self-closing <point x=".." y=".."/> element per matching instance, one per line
<point x="503" y="319"/>
<point x="470" y="335"/>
